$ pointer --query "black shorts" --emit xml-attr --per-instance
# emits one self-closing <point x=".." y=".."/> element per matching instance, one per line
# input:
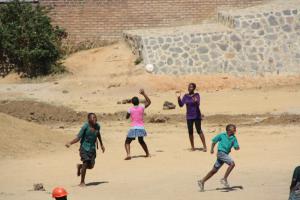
<point x="87" y="157"/>
<point x="190" y="125"/>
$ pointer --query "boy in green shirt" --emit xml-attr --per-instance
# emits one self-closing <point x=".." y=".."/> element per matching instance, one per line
<point x="87" y="136"/>
<point x="225" y="141"/>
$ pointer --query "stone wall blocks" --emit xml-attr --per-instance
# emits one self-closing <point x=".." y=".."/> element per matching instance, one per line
<point x="202" y="50"/>
<point x="255" y="25"/>
<point x="176" y="50"/>
<point x="235" y="38"/>
<point x="204" y="58"/>
<point x="287" y="12"/>
<point x="223" y="46"/>
<point x="196" y="40"/>
<point x="287" y="28"/>
<point x="272" y="21"/>
<point x="165" y="46"/>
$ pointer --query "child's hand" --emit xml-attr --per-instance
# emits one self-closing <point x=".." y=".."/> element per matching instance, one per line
<point x="178" y="93"/>
<point x="142" y="91"/>
<point x="68" y="145"/>
<point x="103" y="149"/>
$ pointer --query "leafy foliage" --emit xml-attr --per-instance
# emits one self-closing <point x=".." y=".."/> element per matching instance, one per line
<point x="29" y="44"/>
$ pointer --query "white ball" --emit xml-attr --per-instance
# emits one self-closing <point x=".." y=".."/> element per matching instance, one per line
<point x="149" y="68"/>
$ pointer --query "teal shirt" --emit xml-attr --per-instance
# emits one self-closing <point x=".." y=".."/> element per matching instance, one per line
<point x="88" y="137"/>
<point x="225" y="143"/>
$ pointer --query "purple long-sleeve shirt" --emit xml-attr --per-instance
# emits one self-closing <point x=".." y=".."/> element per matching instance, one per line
<point x="192" y="106"/>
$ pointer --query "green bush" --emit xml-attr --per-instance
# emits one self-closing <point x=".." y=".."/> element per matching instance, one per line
<point x="29" y="44"/>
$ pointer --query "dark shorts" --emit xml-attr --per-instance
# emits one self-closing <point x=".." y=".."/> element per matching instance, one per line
<point x="190" y="126"/>
<point x="87" y="156"/>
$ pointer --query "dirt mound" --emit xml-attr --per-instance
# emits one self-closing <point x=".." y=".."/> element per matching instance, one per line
<point x="21" y="138"/>
<point x="44" y="113"/>
<point x="41" y="112"/>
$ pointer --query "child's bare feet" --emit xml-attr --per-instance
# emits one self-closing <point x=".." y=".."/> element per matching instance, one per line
<point x="79" y="169"/>
<point x="148" y="156"/>
<point x="204" y="150"/>
<point x="128" y="158"/>
<point x="82" y="185"/>
<point x="201" y="185"/>
<point x="193" y="149"/>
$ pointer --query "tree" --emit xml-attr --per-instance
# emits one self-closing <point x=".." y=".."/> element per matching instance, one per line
<point x="29" y="44"/>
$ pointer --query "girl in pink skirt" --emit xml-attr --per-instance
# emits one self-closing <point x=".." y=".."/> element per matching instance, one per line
<point x="137" y="130"/>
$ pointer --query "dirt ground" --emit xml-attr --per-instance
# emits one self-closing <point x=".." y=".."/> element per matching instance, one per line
<point x="37" y="117"/>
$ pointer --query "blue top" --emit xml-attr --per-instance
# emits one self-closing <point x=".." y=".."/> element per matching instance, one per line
<point x="225" y="142"/>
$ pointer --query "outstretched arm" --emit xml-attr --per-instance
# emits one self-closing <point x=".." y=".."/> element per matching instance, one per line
<point x="148" y="101"/>
<point x="75" y="140"/>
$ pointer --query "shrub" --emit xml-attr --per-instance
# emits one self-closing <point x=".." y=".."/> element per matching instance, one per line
<point x="29" y="44"/>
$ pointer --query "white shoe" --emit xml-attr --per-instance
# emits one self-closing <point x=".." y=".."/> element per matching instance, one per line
<point x="201" y="185"/>
<point x="225" y="183"/>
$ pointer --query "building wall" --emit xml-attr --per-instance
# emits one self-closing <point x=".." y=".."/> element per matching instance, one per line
<point x="263" y="42"/>
<point x="94" y="20"/>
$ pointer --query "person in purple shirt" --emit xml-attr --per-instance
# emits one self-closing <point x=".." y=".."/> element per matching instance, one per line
<point x="193" y="114"/>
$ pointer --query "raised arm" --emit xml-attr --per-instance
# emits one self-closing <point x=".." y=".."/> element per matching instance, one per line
<point x="180" y="102"/>
<point x="196" y="98"/>
<point x="148" y="101"/>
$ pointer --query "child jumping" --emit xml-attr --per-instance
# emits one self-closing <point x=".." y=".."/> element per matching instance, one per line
<point x="225" y="141"/>
<point x="136" y="114"/>
<point x="193" y="114"/>
<point x="87" y="136"/>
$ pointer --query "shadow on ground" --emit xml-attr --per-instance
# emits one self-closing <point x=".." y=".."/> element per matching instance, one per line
<point x="96" y="183"/>
<point x="228" y="189"/>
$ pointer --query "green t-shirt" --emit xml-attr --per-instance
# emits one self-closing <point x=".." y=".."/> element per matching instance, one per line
<point x="88" y="137"/>
<point x="225" y="143"/>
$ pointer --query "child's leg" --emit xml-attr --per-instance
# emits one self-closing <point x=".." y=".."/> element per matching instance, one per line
<point x="79" y="166"/>
<point x="208" y="176"/>
<point x="144" y="145"/>
<point x="228" y="171"/>
<point x="191" y="132"/>
<point x="127" y="148"/>
<point x="200" y="132"/>
<point x="83" y="172"/>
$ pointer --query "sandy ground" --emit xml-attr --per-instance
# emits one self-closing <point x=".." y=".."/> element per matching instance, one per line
<point x="33" y="151"/>
<point x="264" y="166"/>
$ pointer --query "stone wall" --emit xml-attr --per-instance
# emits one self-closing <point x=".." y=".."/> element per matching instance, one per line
<point x="259" y="40"/>
<point x="94" y="20"/>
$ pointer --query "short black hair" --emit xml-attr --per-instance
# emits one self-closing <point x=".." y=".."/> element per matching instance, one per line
<point x="135" y="101"/>
<point x="194" y="85"/>
<point x="90" y="114"/>
<point x="229" y="126"/>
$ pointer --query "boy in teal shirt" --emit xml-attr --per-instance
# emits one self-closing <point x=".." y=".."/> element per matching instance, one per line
<point x="88" y="135"/>
<point x="225" y="141"/>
